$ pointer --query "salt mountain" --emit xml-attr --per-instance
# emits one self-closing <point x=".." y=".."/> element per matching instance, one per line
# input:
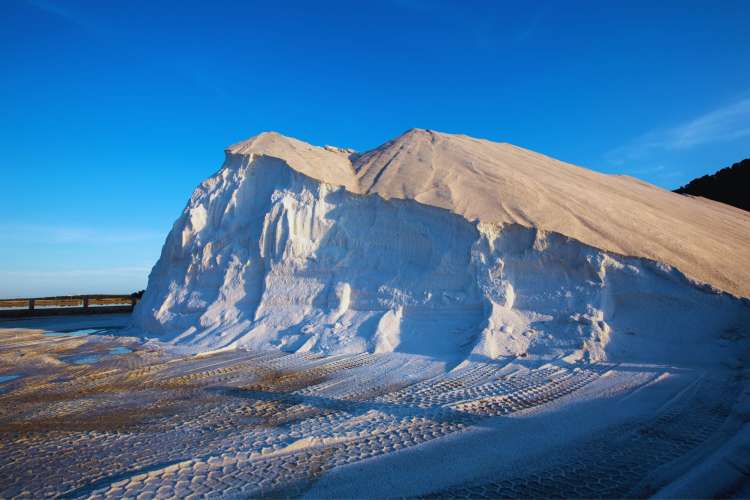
<point x="451" y="247"/>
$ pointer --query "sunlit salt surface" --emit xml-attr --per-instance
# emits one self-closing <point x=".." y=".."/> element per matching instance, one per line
<point x="301" y="424"/>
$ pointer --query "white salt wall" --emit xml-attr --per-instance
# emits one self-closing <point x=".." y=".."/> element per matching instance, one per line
<point x="264" y="256"/>
<point x="553" y="296"/>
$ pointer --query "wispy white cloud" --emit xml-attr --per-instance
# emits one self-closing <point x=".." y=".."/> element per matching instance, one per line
<point x="104" y="28"/>
<point x="724" y="124"/>
<point x="63" y="12"/>
<point x="655" y="169"/>
<point x="659" y="173"/>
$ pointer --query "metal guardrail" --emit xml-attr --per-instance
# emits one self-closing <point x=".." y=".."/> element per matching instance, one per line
<point x="66" y="305"/>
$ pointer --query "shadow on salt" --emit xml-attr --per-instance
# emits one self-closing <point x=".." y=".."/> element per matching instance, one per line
<point x="84" y="332"/>
<point x="88" y="359"/>
<point x="7" y="378"/>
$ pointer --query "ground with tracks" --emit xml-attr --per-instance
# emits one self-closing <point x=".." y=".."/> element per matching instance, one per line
<point x="83" y="417"/>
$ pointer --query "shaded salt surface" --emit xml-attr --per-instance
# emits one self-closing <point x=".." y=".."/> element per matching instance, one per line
<point x="120" y="350"/>
<point x="90" y="358"/>
<point x="64" y="324"/>
<point x="74" y="333"/>
<point x="112" y="330"/>
<point x="83" y="360"/>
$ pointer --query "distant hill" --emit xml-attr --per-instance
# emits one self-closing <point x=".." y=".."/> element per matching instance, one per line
<point x="729" y="185"/>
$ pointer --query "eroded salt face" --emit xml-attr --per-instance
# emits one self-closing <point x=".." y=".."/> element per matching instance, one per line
<point x="264" y="256"/>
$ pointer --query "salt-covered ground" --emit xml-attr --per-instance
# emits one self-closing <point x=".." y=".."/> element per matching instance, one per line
<point x="153" y="422"/>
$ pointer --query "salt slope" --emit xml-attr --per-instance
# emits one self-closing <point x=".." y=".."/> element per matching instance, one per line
<point x="265" y="255"/>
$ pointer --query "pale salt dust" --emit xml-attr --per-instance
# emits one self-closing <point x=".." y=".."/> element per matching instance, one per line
<point x="328" y="324"/>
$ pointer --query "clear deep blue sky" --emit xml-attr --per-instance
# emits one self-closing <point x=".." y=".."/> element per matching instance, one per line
<point x="112" y="112"/>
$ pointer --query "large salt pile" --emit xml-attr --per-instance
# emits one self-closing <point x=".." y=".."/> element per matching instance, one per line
<point x="451" y="247"/>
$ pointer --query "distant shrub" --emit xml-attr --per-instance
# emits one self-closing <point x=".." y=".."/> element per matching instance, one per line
<point x="729" y="185"/>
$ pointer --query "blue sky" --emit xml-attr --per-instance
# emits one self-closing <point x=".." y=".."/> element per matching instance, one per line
<point x="112" y="112"/>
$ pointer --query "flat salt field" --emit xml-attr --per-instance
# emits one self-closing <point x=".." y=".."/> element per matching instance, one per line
<point x="89" y="414"/>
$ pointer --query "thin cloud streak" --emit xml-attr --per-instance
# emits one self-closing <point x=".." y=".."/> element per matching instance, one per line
<point x="725" y="124"/>
<point x="103" y="29"/>
<point x="61" y="12"/>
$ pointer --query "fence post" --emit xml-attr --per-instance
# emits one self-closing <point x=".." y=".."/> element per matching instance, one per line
<point x="31" y="304"/>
